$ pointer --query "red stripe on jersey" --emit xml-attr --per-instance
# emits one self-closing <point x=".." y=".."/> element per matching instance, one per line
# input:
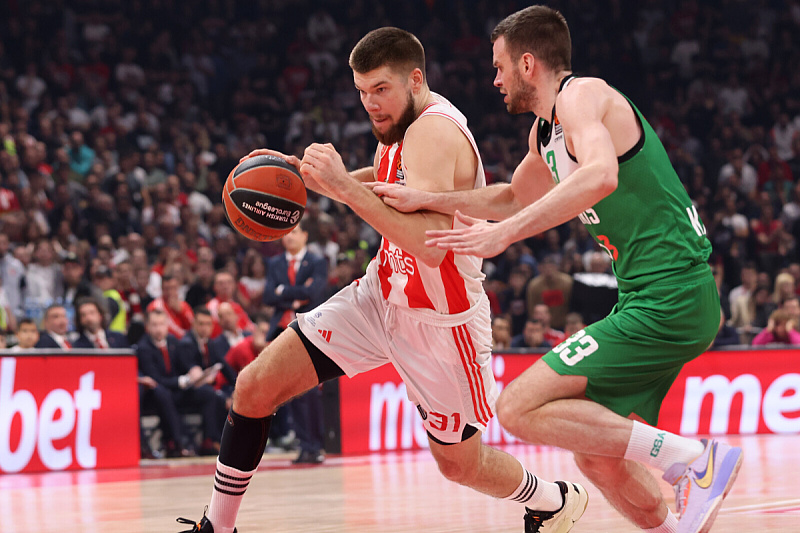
<point x="383" y="166"/>
<point x="415" y="290"/>
<point x="384" y="270"/>
<point x="481" y="387"/>
<point x="471" y="368"/>
<point x="454" y="288"/>
<point x="468" y="372"/>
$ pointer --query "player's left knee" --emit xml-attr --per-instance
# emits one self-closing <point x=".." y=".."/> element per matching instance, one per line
<point x="457" y="471"/>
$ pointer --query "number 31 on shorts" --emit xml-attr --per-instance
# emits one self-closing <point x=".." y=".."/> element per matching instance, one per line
<point x="575" y="348"/>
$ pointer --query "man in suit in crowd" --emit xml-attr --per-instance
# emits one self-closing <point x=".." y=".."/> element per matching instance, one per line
<point x="296" y="280"/>
<point x="195" y="348"/>
<point x="56" y="326"/>
<point x="91" y="325"/>
<point x="173" y="385"/>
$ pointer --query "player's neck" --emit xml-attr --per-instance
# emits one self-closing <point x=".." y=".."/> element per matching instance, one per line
<point x="422" y="100"/>
<point x="551" y="83"/>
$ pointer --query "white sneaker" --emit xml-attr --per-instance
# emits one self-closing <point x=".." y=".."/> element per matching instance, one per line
<point x="701" y="486"/>
<point x="575" y="501"/>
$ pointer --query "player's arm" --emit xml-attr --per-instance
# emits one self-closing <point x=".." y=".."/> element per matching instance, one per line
<point x="363" y="174"/>
<point x="429" y="170"/>
<point x="582" y="107"/>
<point x="531" y="180"/>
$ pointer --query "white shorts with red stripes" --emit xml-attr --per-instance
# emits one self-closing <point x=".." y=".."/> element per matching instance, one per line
<point x="444" y="360"/>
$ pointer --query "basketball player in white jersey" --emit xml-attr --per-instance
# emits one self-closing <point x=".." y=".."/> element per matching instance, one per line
<point x="419" y="308"/>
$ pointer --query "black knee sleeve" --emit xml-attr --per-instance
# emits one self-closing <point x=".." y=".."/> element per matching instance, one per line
<point x="243" y="441"/>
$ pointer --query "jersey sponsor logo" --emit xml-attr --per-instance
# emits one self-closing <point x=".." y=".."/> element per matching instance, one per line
<point x="326" y="334"/>
<point x="557" y="129"/>
<point x="398" y="261"/>
<point x="400" y="178"/>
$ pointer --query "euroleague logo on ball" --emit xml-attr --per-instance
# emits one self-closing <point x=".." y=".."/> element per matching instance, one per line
<point x="264" y="198"/>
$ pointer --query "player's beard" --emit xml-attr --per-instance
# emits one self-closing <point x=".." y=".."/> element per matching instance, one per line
<point x="397" y="131"/>
<point x="523" y="98"/>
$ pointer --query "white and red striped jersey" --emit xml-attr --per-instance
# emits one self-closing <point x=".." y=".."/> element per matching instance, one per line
<point x="456" y="284"/>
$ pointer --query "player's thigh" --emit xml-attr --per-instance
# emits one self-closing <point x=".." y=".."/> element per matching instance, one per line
<point x="537" y="385"/>
<point x="281" y="372"/>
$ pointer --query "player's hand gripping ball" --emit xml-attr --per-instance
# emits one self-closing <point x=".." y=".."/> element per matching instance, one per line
<point x="264" y="197"/>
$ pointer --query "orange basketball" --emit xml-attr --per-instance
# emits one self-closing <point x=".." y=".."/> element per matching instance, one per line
<point x="264" y="198"/>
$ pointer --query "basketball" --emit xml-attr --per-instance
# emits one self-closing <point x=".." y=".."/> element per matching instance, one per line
<point x="264" y="198"/>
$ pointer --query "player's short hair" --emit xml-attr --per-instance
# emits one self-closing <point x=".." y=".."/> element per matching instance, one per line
<point x="155" y="312"/>
<point x="539" y="30"/>
<point x="398" y="49"/>
<point x="50" y="308"/>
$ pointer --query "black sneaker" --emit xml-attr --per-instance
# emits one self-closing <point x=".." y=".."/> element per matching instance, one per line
<point x="575" y="501"/>
<point x="204" y="526"/>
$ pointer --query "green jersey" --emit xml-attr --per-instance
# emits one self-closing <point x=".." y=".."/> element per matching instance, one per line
<point x="648" y="225"/>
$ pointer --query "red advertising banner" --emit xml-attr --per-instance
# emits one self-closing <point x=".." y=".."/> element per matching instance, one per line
<point x="726" y="392"/>
<point x="68" y="413"/>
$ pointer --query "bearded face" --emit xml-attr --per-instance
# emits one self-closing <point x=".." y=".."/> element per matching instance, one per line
<point x="397" y="130"/>
<point x="522" y="98"/>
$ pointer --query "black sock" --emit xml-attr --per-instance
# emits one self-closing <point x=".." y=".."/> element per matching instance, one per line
<point x="243" y="441"/>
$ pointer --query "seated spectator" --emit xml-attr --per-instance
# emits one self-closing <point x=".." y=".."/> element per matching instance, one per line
<point x="224" y="289"/>
<point x="90" y="324"/>
<point x="56" y="326"/>
<point x="27" y="335"/>
<point x="231" y="334"/>
<point x="542" y="313"/>
<point x="552" y="288"/>
<point x="74" y="284"/>
<point x="114" y="304"/>
<point x="573" y="325"/>
<point x="780" y="330"/>
<point x="792" y="306"/>
<point x="784" y="288"/>
<point x="501" y="333"/>
<point x="532" y="336"/>
<point x="512" y="300"/>
<point x="179" y="315"/>
<point x="243" y="353"/>
<point x="176" y="387"/>
<point x="195" y="348"/>
<point x="42" y="275"/>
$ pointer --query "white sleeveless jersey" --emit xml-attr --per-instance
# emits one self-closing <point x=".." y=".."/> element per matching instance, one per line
<point x="553" y="146"/>
<point x="457" y="283"/>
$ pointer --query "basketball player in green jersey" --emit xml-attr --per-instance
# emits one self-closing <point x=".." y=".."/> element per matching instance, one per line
<point x="594" y="156"/>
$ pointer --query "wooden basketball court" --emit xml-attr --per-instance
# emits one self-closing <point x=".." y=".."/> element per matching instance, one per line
<point x="399" y="492"/>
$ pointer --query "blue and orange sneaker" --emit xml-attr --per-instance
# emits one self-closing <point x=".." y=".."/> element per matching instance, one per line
<point x="701" y="486"/>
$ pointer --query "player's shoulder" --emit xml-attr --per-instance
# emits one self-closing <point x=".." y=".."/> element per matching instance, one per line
<point x="434" y="129"/>
<point x="580" y="90"/>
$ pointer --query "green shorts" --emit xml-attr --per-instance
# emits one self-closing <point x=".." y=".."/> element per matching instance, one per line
<point x="632" y="356"/>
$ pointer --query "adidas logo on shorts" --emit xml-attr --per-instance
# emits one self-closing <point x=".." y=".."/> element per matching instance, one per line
<point x="326" y="334"/>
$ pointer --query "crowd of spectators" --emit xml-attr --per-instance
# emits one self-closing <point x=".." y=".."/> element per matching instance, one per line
<point x="120" y="120"/>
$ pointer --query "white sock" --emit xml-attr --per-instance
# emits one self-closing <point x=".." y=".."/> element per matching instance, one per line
<point x="670" y="525"/>
<point x="660" y="449"/>
<point x="229" y="487"/>
<point x="537" y="494"/>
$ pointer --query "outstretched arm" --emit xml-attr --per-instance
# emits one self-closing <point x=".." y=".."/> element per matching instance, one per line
<point x="581" y="111"/>
<point x="531" y="181"/>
